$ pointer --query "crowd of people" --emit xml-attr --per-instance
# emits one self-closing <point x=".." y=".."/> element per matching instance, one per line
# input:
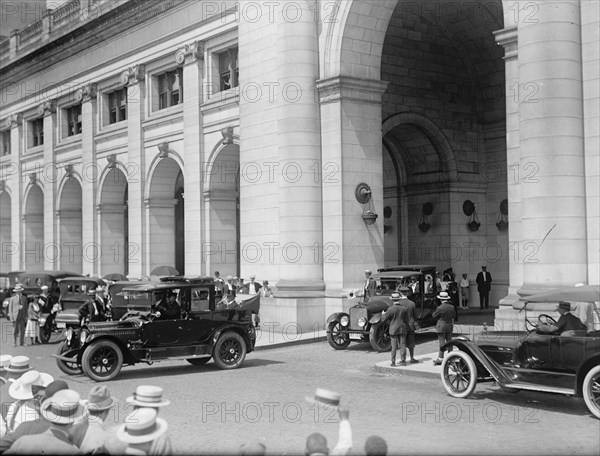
<point x="227" y="289"/>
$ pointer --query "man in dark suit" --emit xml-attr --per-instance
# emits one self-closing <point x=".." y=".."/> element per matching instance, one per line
<point x="566" y="322"/>
<point x="411" y="311"/>
<point x="484" y="283"/>
<point x="445" y="324"/>
<point x="398" y="317"/>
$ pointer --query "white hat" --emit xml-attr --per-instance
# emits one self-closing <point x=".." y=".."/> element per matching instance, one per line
<point x="63" y="407"/>
<point x="19" y="365"/>
<point x="443" y="296"/>
<point x="142" y="426"/>
<point x="5" y="361"/>
<point x="148" y="396"/>
<point x="21" y="389"/>
<point x="325" y="397"/>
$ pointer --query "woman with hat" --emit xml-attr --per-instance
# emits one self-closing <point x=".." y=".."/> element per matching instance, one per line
<point x="32" y="330"/>
<point x="24" y="390"/>
<point x="17" y="313"/>
<point x="63" y="411"/>
<point x="445" y="325"/>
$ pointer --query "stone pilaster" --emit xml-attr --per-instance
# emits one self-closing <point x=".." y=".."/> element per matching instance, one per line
<point x="191" y="57"/>
<point x="89" y="185"/>
<point x="136" y="94"/>
<point x="15" y="181"/>
<point x="553" y="208"/>
<point x="49" y="183"/>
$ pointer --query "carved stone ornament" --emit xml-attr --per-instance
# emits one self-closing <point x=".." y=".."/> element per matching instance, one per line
<point x="227" y="133"/>
<point x="133" y="75"/>
<point x="33" y="178"/>
<point x="15" y="120"/>
<point x="112" y="161"/>
<point x="86" y="93"/>
<point x="69" y="170"/>
<point x="164" y="150"/>
<point x="46" y="108"/>
<point x="190" y="52"/>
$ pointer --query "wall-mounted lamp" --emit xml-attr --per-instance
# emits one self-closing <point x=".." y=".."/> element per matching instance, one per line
<point x="364" y="197"/>
<point x="387" y="214"/>
<point x="425" y="212"/>
<point x="502" y="222"/>
<point x="469" y="210"/>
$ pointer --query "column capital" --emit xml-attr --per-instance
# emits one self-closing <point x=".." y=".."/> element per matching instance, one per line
<point x="87" y="92"/>
<point x="133" y="74"/>
<point x="509" y="39"/>
<point x="350" y="88"/>
<point x="15" y="120"/>
<point x="190" y="53"/>
<point x="46" y="108"/>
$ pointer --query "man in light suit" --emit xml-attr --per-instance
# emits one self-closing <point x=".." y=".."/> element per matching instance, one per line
<point x="484" y="283"/>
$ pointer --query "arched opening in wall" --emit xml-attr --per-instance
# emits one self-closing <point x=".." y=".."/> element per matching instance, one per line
<point x="179" y="225"/>
<point x="70" y="228"/>
<point x="5" y="233"/>
<point x="114" y="225"/>
<point x="166" y="193"/>
<point x="223" y="212"/>
<point x="32" y="256"/>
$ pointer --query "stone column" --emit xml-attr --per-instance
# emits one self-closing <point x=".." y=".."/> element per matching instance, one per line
<point x="352" y="153"/>
<point x="299" y="168"/>
<point x="191" y="56"/>
<point x="49" y="180"/>
<point x="92" y="249"/>
<point x="15" y="181"/>
<point x="136" y="94"/>
<point x="553" y="209"/>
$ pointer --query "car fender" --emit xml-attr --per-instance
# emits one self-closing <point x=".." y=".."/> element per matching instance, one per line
<point x="583" y="369"/>
<point x="215" y="337"/>
<point x="375" y="318"/>
<point x="336" y="317"/>
<point x="127" y="357"/>
<point x="485" y="365"/>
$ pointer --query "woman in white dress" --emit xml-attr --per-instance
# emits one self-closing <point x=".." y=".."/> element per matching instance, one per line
<point x="32" y="329"/>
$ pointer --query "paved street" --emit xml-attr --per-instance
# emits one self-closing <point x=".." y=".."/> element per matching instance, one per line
<point x="214" y="411"/>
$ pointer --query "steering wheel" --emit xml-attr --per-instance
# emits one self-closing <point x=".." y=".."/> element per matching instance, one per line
<point x="530" y="327"/>
<point x="544" y="319"/>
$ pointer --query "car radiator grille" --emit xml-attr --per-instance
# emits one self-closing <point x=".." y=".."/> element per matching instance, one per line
<point x="124" y="335"/>
<point x="355" y="314"/>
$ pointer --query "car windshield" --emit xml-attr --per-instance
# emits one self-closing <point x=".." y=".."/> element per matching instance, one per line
<point x="386" y="286"/>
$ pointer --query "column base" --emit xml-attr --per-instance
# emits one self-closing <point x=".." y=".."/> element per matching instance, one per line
<point x="297" y="315"/>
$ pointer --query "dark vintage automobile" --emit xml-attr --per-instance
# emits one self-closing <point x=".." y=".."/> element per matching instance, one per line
<point x="362" y="322"/>
<point x="567" y="363"/>
<point x="119" y="304"/>
<point x="143" y="335"/>
<point x="73" y="293"/>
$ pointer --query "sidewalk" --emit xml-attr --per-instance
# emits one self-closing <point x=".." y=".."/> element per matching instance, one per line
<point x="275" y="337"/>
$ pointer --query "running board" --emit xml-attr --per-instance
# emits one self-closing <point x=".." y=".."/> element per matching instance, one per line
<point x="543" y="389"/>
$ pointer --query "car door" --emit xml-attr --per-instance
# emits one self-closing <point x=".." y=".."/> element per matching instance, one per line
<point x="157" y="333"/>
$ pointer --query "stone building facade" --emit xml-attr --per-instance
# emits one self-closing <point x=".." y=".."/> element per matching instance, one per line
<point x="235" y="136"/>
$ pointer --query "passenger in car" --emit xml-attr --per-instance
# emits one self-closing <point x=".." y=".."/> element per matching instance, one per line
<point x="566" y="322"/>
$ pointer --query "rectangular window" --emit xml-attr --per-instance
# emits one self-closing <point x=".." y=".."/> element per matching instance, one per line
<point x="170" y="88"/>
<point x="117" y="106"/>
<point x="74" y="120"/>
<point x="6" y="142"/>
<point x="228" y="69"/>
<point x="37" y="132"/>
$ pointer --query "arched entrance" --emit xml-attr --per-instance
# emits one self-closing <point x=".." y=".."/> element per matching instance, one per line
<point x="114" y="224"/>
<point x="70" y="226"/>
<point x="32" y="256"/>
<point x="5" y="232"/>
<point x="165" y="207"/>
<point x="223" y="211"/>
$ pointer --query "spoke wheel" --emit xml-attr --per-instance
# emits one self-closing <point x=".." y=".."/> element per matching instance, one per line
<point x="379" y="336"/>
<point x="229" y="351"/>
<point x="591" y="391"/>
<point x="459" y="374"/>
<point x="102" y="360"/>
<point x="68" y="368"/>
<point x="336" y="339"/>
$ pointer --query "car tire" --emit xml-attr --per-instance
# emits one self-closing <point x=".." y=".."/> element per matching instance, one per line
<point x="379" y="336"/>
<point x="459" y="374"/>
<point x="102" y="360"/>
<point x="336" y="340"/>
<point x="67" y="368"/>
<point x="198" y="361"/>
<point x="229" y="351"/>
<point x="591" y="391"/>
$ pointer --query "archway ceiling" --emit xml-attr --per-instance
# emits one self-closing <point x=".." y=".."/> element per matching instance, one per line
<point x="35" y="201"/>
<point x="417" y="151"/>
<point x="164" y="179"/>
<point x="113" y="187"/>
<point x="70" y="198"/>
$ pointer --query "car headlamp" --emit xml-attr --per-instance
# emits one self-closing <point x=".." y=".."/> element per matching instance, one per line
<point x="83" y="337"/>
<point x="362" y="321"/>
<point x="344" y="321"/>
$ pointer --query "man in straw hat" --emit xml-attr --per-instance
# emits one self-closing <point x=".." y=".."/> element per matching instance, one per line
<point x="26" y="390"/>
<point x="4" y="363"/>
<point x="17" y="366"/>
<point x="397" y="315"/>
<point x="316" y="443"/>
<point x="445" y="314"/>
<point x="17" y="313"/>
<point x="37" y="426"/>
<point x="566" y="322"/>
<point x="91" y="435"/>
<point x="63" y="410"/>
<point x="145" y="433"/>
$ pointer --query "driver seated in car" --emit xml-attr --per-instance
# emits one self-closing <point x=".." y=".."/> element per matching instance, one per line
<point x="566" y="322"/>
<point x="169" y="308"/>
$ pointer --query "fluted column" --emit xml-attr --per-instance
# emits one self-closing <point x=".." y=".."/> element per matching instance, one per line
<point x="551" y="142"/>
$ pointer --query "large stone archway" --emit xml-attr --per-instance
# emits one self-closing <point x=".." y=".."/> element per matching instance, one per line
<point x="32" y="256"/>
<point x="69" y="219"/>
<point x="114" y="224"/>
